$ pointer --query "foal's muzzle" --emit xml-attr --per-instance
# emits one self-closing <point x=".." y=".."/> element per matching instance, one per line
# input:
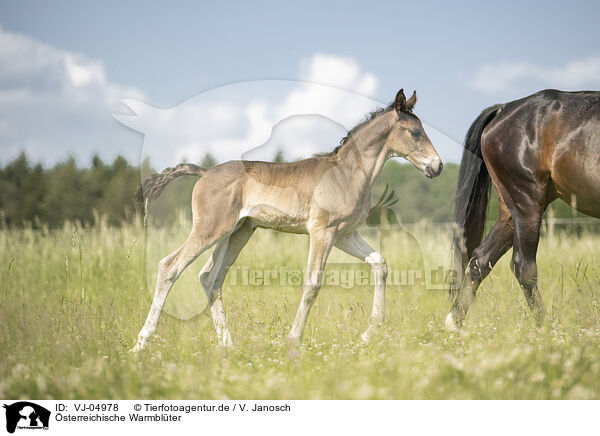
<point x="434" y="168"/>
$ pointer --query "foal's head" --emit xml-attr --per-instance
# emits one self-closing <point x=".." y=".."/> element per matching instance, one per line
<point x="408" y="139"/>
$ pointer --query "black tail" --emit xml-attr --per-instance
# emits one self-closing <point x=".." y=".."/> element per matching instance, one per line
<point x="153" y="185"/>
<point x="472" y="192"/>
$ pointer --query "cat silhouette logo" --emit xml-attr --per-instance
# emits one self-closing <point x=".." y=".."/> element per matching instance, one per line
<point x="26" y="415"/>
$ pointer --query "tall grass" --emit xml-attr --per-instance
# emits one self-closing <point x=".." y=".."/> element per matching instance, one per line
<point x="72" y="302"/>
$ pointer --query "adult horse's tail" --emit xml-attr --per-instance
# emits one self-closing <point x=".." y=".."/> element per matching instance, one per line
<point x="153" y="185"/>
<point x="471" y="195"/>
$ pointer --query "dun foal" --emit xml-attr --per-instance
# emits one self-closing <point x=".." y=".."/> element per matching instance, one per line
<point x="326" y="197"/>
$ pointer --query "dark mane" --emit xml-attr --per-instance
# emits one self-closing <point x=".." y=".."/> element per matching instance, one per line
<point x="368" y="117"/>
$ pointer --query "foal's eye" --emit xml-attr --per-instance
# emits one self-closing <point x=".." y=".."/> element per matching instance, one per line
<point x="416" y="134"/>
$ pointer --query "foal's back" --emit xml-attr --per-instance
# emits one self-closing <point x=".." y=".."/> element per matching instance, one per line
<point x="279" y="196"/>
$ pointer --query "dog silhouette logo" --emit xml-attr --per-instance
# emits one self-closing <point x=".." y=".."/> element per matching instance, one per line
<point x="26" y="415"/>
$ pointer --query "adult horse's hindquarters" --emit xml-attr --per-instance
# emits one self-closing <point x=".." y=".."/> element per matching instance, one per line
<point x="535" y="150"/>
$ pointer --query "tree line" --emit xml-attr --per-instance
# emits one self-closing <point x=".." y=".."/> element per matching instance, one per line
<point x="31" y="195"/>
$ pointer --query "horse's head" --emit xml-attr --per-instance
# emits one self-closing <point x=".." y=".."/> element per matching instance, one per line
<point x="407" y="137"/>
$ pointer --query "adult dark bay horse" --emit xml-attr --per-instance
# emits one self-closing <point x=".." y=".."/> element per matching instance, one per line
<point x="327" y="197"/>
<point x="535" y="150"/>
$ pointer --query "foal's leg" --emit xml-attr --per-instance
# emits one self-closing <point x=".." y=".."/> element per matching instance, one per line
<point x="169" y="269"/>
<point x="493" y="247"/>
<point x="356" y="246"/>
<point x="320" y="246"/>
<point x="213" y="275"/>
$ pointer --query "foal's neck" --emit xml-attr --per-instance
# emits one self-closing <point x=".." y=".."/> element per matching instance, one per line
<point x="364" y="154"/>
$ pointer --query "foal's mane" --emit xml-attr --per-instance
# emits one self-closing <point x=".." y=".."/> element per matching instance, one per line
<point x="368" y="117"/>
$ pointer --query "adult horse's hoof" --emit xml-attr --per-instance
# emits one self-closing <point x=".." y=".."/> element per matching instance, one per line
<point x="451" y="325"/>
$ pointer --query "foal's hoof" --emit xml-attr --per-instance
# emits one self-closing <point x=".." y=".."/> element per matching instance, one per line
<point x="138" y="347"/>
<point x="224" y="338"/>
<point x="451" y="325"/>
<point x="367" y="336"/>
<point x="294" y="341"/>
<point x="226" y="343"/>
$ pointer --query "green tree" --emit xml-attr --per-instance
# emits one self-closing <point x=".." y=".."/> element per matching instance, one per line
<point x="208" y="161"/>
<point x="279" y="156"/>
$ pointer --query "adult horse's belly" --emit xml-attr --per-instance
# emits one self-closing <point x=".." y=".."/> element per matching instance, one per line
<point x="575" y="173"/>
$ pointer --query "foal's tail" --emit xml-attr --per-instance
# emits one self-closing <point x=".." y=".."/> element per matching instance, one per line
<point x="471" y="194"/>
<point x="153" y="185"/>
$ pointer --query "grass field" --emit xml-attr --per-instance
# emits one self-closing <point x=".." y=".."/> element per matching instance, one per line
<point x="72" y="302"/>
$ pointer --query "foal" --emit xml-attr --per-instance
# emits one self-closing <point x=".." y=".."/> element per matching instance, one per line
<point x="326" y="197"/>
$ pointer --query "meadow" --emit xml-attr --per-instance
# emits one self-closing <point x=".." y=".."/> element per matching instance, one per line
<point x="73" y="300"/>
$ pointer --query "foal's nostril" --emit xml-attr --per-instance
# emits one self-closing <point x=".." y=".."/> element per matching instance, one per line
<point x="440" y="168"/>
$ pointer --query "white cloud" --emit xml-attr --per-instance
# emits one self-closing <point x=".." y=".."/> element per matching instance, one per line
<point x="503" y="76"/>
<point x="253" y="120"/>
<point x="54" y="102"/>
<point x="339" y="72"/>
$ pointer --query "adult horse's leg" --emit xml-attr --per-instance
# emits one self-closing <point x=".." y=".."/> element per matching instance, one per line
<point x="320" y="245"/>
<point x="356" y="246"/>
<point x="485" y="256"/>
<point x="214" y="272"/>
<point x="527" y="235"/>
<point x="525" y="203"/>
<point x="527" y="197"/>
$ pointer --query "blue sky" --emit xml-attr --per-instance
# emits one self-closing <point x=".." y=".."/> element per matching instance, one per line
<point x="460" y="58"/>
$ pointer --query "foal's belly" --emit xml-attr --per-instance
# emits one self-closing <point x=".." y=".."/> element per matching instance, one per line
<point x="270" y="217"/>
<point x="283" y="208"/>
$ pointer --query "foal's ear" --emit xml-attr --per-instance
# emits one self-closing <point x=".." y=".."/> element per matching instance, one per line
<point x="400" y="102"/>
<point x="410" y="103"/>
